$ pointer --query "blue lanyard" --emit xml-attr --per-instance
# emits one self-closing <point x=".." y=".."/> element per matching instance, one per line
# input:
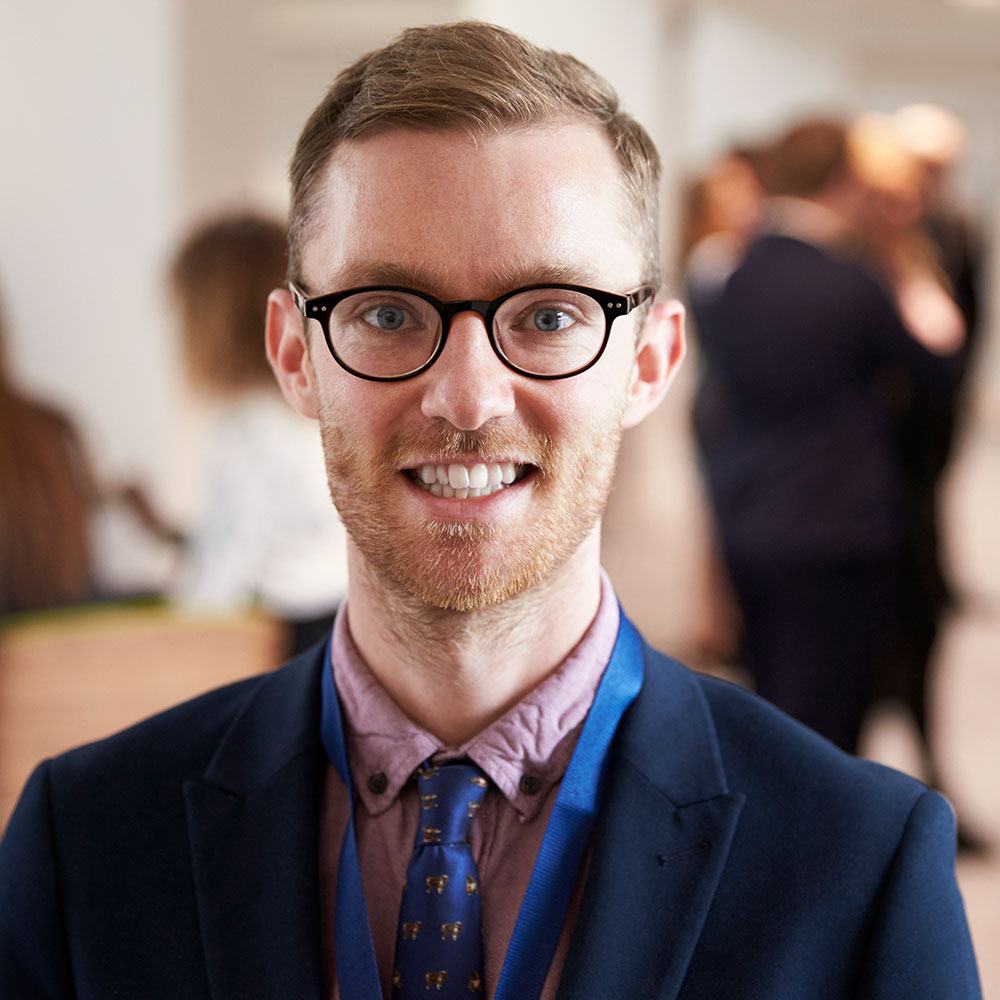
<point x="357" y="973"/>
<point x="543" y="911"/>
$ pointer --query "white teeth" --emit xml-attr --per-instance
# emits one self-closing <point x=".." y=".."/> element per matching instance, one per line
<point x="478" y="476"/>
<point x="458" y="477"/>
<point x="459" y="482"/>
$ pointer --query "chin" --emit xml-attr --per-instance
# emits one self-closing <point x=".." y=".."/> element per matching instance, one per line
<point x="453" y="566"/>
<point x="468" y="567"/>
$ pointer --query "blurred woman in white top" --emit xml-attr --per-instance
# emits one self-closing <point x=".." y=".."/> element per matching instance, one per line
<point x="267" y="534"/>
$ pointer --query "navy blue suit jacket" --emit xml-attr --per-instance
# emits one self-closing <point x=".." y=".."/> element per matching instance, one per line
<point x="736" y="855"/>
<point x="793" y="419"/>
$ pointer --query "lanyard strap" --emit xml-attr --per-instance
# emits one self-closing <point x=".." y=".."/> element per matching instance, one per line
<point x="543" y="911"/>
<point x="357" y="973"/>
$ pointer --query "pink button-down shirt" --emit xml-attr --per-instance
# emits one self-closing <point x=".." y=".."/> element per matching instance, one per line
<point x="524" y="753"/>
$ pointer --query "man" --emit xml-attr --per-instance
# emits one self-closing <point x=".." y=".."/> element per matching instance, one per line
<point x="690" y="841"/>
<point x="798" y="435"/>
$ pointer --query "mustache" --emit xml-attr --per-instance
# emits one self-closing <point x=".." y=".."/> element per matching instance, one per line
<point x="443" y="441"/>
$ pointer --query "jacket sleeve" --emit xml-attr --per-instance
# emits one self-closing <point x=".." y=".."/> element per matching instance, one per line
<point x="34" y="961"/>
<point x="919" y="945"/>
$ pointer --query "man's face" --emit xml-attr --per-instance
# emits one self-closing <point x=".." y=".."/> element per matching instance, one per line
<point x="440" y="214"/>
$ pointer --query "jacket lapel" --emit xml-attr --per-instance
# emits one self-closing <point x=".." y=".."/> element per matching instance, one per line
<point x="659" y="847"/>
<point x="252" y="824"/>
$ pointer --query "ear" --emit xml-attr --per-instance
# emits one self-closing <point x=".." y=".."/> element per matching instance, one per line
<point x="289" y="354"/>
<point x="659" y="354"/>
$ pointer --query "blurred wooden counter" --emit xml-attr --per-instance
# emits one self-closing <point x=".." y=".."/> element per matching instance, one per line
<point x="75" y="676"/>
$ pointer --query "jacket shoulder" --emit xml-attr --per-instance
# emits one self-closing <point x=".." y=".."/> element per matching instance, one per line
<point x="180" y="742"/>
<point x="857" y="858"/>
<point x="780" y="764"/>
<point x="756" y="738"/>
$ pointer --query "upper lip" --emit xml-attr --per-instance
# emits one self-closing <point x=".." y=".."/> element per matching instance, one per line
<point x="467" y="460"/>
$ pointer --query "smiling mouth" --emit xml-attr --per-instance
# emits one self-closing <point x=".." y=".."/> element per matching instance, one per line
<point x="459" y="482"/>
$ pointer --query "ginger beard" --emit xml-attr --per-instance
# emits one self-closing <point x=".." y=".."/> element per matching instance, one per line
<point x="464" y="566"/>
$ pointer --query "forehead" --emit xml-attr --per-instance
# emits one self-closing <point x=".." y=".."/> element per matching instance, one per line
<point x="474" y="216"/>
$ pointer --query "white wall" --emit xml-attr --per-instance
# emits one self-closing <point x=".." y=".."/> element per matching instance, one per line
<point x="749" y="75"/>
<point x="87" y="191"/>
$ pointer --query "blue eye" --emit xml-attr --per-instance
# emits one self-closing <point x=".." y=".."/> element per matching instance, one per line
<point x="386" y="317"/>
<point x="550" y="319"/>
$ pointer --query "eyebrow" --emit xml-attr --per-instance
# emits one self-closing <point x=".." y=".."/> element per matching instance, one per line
<point x="360" y="273"/>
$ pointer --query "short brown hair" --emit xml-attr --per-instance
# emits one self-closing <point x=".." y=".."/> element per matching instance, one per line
<point x="808" y="158"/>
<point x="220" y="280"/>
<point x="480" y="79"/>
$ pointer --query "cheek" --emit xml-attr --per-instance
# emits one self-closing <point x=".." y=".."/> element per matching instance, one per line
<point x="358" y="406"/>
<point x="596" y="397"/>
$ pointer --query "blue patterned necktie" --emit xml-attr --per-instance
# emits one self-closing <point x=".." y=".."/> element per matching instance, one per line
<point x="439" y="943"/>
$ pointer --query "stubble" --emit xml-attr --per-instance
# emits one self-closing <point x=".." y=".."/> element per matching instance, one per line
<point x="461" y="566"/>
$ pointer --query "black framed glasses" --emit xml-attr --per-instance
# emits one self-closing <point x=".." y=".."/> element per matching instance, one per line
<point x="387" y="333"/>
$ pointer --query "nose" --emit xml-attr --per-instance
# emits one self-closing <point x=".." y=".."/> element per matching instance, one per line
<point x="468" y="385"/>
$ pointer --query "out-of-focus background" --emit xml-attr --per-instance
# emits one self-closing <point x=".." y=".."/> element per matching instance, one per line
<point x="125" y="125"/>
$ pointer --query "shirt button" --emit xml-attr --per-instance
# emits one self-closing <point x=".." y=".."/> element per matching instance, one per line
<point x="529" y="784"/>
<point x="378" y="783"/>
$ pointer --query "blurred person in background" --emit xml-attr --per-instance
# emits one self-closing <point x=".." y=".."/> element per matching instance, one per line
<point x="937" y="139"/>
<point x="721" y="213"/>
<point x="47" y="496"/>
<point x="913" y="227"/>
<point x="722" y="210"/>
<point x="800" y="452"/>
<point x="266" y="534"/>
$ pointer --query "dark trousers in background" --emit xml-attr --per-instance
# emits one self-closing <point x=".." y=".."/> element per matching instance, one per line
<point x="812" y="635"/>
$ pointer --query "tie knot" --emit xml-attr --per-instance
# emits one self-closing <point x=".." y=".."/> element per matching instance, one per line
<point x="450" y="795"/>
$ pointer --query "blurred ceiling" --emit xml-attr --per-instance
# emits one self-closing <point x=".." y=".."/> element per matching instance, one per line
<point x="952" y="36"/>
<point x="958" y="35"/>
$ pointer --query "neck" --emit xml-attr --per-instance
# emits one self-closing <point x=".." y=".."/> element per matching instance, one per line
<point x="454" y="673"/>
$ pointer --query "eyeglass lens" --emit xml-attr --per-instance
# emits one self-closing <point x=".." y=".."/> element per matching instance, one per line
<point x="544" y="331"/>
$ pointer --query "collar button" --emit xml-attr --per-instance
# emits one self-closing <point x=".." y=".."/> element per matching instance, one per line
<point x="529" y="784"/>
<point x="378" y="783"/>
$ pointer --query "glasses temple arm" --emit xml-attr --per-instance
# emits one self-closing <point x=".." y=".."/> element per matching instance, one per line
<point x="298" y="296"/>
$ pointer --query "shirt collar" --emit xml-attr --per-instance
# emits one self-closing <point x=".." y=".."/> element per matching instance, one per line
<point x="804" y="220"/>
<point x="524" y="752"/>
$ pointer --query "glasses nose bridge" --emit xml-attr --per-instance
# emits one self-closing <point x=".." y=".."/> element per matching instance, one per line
<point x="449" y="310"/>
